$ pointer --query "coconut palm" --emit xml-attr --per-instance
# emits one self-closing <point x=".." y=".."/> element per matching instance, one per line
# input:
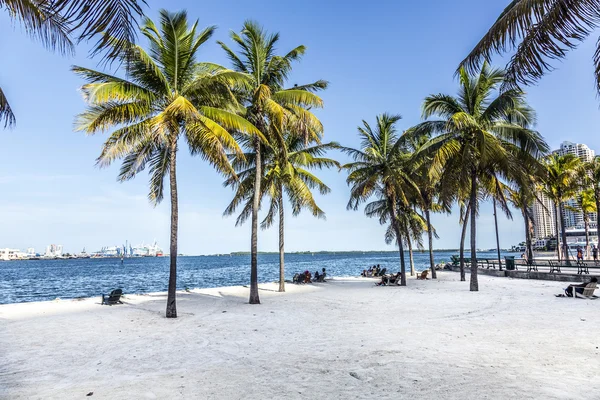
<point x="476" y="130"/>
<point x="380" y="170"/>
<point x="538" y="31"/>
<point x="289" y="178"/>
<point x="592" y="178"/>
<point x="561" y="184"/>
<point x="431" y="196"/>
<point x="57" y="24"/>
<point x="270" y="106"/>
<point x="167" y="96"/>
<point x="586" y="203"/>
<point x="522" y="198"/>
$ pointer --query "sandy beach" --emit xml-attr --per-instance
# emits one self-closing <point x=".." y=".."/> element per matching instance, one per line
<point x="344" y="339"/>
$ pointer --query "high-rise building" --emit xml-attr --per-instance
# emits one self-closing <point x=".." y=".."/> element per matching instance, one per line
<point x="543" y="217"/>
<point x="544" y="209"/>
<point x="584" y="153"/>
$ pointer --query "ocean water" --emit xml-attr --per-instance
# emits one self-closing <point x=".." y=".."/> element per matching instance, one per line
<point x="38" y="280"/>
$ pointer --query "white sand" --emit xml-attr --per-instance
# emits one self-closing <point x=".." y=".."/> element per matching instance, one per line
<point x="344" y="339"/>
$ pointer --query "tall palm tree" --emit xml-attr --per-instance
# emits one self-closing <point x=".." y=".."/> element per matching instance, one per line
<point x="592" y="179"/>
<point x="522" y="198"/>
<point x="289" y="178"/>
<point x="60" y="23"/>
<point x="586" y="203"/>
<point x="167" y="96"/>
<point x="560" y="185"/>
<point x="478" y="129"/>
<point x="430" y="190"/>
<point x="380" y="170"/>
<point x="270" y="106"/>
<point x="538" y="31"/>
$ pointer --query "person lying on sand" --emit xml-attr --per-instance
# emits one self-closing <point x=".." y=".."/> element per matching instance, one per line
<point x="388" y="279"/>
<point x="578" y="288"/>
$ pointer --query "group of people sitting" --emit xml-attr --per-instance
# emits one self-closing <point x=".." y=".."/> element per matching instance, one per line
<point x="306" y="277"/>
<point x="375" y="270"/>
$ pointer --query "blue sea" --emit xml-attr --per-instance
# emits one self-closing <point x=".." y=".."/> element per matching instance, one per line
<point x="38" y="280"/>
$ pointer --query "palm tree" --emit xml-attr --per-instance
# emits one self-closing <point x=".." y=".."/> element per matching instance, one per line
<point x="586" y="203"/>
<point x="167" y="95"/>
<point x="522" y="198"/>
<point x="60" y="23"/>
<point x="560" y="185"/>
<point x="379" y="170"/>
<point x="592" y="178"/>
<point x="270" y="107"/>
<point x="429" y="188"/>
<point x="291" y="177"/>
<point x="476" y="131"/>
<point x="544" y="31"/>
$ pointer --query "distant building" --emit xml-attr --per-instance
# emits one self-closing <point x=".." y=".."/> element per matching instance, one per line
<point x="54" y="250"/>
<point x="543" y="217"/>
<point x="9" y="254"/>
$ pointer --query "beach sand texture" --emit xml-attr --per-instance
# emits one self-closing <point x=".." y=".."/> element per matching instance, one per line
<point x="345" y="339"/>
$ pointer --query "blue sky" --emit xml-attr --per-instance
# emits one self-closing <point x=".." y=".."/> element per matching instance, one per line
<point x="379" y="56"/>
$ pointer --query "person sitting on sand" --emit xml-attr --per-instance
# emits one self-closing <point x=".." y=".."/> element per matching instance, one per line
<point x="316" y="276"/>
<point x="308" y="277"/>
<point x="364" y="273"/>
<point x="388" y="279"/>
<point x="579" y="288"/>
<point x="370" y="271"/>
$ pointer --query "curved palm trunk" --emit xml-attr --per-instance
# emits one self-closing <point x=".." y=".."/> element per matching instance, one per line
<point x="558" y="248"/>
<point x="254" y="298"/>
<point x="394" y="216"/>
<point x="430" y="237"/>
<point x="563" y="234"/>
<point x="281" y="243"/>
<point x="474" y="282"/>
<point x="410" y="256"/>
<point x="462" y="244"/>
<point x="497" y="235"/>
<point x="528" y="241"/>
<point x="171" y="294"/>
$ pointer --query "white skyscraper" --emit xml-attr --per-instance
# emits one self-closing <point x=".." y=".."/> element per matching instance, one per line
<point x="543" y="214"/>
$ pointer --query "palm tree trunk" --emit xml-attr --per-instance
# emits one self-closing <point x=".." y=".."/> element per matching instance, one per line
<point x="394" y="216"/>
<point x="558" y="248"/>
<point x="430" y="237"/>
<point x="563" y="234"/>
<point x="254" y="298"/>
<point x="410" y="256"/>
<point x="462" y="244"/>
<point x="587" y="234"/>
<point x="597" y="197"/>
<point x="497" y="235"/>
<point x="281" y="250"/>
<point x="528" y="241"/>
<point x="474" y="282"/>
<point x="172" y="291"/>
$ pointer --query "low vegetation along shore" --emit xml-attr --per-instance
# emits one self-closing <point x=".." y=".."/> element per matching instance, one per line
<point x="344" y="338"/>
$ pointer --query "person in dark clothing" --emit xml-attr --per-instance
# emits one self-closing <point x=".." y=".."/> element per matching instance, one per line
<point x="579" y="255"/>
<point x="579" y="288"/>
<point x="595" y="253"/>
